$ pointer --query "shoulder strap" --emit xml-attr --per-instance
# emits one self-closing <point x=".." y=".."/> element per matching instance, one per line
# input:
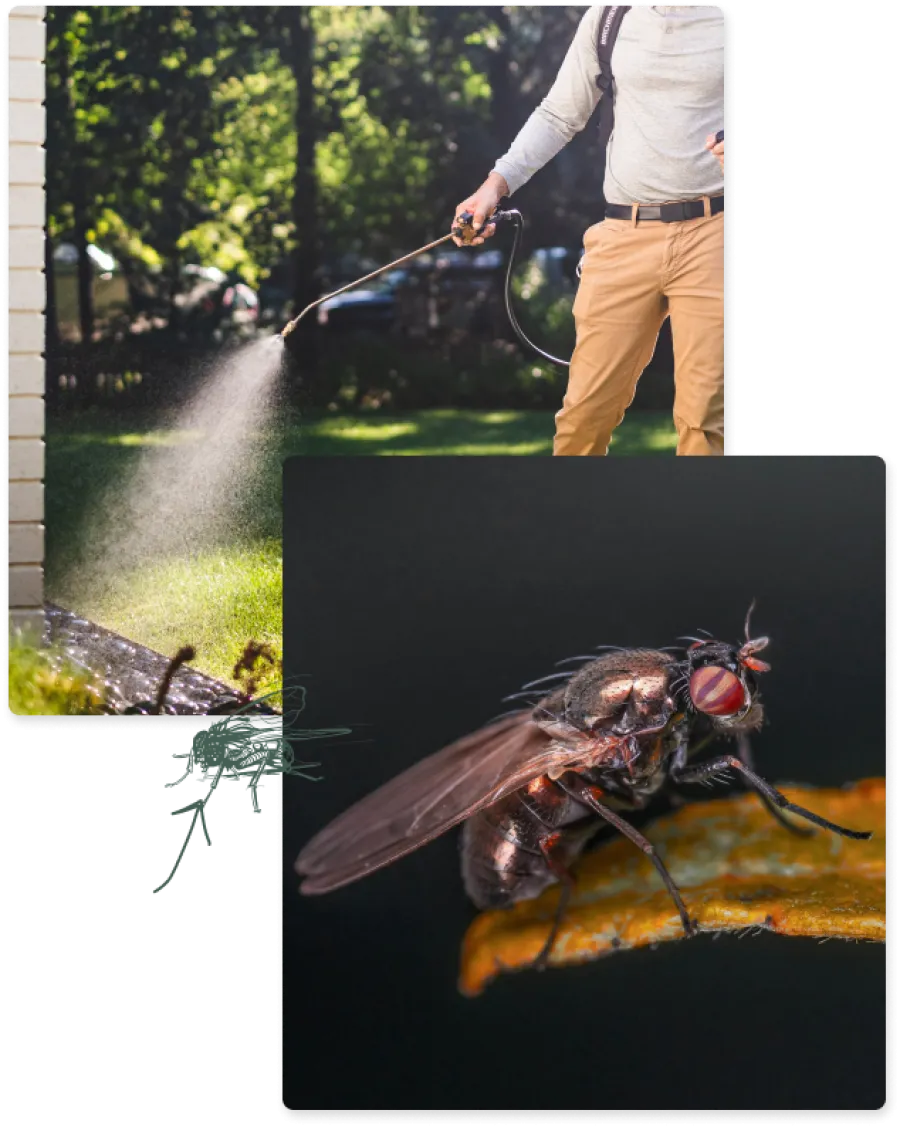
<point x="610" y="22"/>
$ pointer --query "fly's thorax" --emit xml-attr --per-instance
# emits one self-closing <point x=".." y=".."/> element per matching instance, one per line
<point x="612" y="694"/>
<point x="633" y="680"/>
<point x="610" y="703"/>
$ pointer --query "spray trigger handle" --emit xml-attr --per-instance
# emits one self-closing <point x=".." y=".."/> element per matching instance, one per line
<point x="464" y="228"/>
<point x="467" y="232"/>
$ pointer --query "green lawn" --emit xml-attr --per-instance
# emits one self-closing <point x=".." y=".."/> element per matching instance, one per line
<point x="230" y="592"/>
<point x="467" y="432"/>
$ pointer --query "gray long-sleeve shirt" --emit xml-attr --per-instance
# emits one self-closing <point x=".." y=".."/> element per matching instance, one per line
<point x="667" y="65"/>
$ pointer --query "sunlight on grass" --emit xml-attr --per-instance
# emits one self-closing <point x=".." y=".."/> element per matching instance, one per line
<point x="361" y="430"/>
<point x="498" y="418"/>
<point x="215" y="602"/>
<point x="661" y="439"/>
<point x="447" y="431"/>
<point x="155" y="438"/>
<point x="139" y="439"/>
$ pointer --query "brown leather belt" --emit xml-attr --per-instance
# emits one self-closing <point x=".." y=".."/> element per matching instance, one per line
<point x="667" y="212"/>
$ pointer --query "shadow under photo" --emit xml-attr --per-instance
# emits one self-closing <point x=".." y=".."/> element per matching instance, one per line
<point x="418" y="593"/>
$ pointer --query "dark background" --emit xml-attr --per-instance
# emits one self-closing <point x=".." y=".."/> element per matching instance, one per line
<point x="418" y="592"/>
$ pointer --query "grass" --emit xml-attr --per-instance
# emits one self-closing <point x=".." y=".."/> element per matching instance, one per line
<point x="216" y="602"/>
<point x="221" y="597"/>
<point x="39" y="687"/>
<point x="453" y="432"/>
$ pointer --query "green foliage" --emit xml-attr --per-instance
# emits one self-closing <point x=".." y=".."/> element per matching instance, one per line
<point x="394" y="88"/>
<point x="372" y="372"/>
<point x="174" y="126"/>
<point x="545" y="309"/>
<point x="178" y="133"/>
<point x="244" y="181"/>
<point x="41" y="684"/>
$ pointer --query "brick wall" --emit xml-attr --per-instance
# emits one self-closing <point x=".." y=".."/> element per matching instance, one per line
<point x="26" y="318"/>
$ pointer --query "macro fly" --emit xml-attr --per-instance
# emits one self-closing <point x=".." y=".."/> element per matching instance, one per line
<point x="535" y="785"/>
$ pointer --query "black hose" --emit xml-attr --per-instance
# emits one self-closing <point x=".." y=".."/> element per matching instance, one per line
<point x="515" y="217"/>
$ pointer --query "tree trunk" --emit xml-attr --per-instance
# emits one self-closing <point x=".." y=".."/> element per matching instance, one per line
<point x="505" y="121"/>
<point x="77" y="177"/>
<point x="174" y="288"/>
<point x="304" y="208"/>
<point x="85" y="268"/>
<point x="51" y="319"/>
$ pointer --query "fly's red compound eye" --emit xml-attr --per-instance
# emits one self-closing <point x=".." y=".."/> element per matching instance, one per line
<point x="716" y="691"/>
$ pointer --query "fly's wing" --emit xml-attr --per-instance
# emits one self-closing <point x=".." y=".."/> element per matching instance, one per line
<point x="429" y="798"/>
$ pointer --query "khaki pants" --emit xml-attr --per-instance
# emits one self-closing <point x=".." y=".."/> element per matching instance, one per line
<point x="633" y="276"/>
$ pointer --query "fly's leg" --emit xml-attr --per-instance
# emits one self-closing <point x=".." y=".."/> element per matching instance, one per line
<point x="746" y="757"/>
<point x="589" y="796"/>
<point x="766" y="790"/>
<point x="254" y="782"/>
<point x="745" y="754"/>
<point x="549" y="846"/>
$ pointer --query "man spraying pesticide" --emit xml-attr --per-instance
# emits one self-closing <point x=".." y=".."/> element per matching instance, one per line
<point x="659" y="251"/>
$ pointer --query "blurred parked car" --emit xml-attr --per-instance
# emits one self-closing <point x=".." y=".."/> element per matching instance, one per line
<point x="276" y="294"/>
<point x="108" y="282"/>
<point x="453" y="291"/>
<point x="209" y="302"/>
<point x="372" y="307"/>
<point x="212" y="302"/>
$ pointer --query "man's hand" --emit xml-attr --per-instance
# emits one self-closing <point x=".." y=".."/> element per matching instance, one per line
<point x="717" y="149"/>
<point x="482" y="204"/>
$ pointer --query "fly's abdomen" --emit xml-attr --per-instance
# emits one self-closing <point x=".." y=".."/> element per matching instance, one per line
<point x="502" y="856"/>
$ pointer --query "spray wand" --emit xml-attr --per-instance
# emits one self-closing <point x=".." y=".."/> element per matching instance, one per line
<point x="465" y="231"/>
